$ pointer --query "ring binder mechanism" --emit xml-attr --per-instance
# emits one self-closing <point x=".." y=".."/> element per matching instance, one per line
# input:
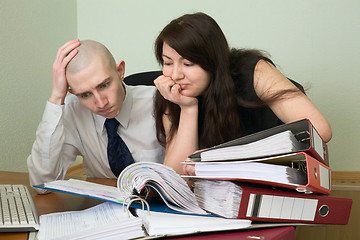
<point x="298" y="136"/>
<point x="134" y="198"/>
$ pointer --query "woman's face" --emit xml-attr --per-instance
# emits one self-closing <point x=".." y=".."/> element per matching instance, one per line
<point x="192" y="79"/>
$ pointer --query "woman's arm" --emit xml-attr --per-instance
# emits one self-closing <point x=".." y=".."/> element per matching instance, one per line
<point x="293" y="105"/>
<point x="185" y="140"/>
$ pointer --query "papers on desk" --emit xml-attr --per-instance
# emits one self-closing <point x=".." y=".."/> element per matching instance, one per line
<point x="105" y="221"/>
<point x="109" y="221"/>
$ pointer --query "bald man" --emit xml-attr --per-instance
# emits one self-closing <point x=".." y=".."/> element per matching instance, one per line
<point x="73" y="124"/>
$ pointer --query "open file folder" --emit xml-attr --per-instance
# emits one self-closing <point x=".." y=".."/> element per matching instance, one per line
<point x="317" y="175"/>
<point x="270" y="142"/>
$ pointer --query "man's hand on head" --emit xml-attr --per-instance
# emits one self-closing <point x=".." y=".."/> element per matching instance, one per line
<point x="59" y="81"/>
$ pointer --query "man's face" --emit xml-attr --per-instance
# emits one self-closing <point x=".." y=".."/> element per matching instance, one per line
<point x="99" y="88"/>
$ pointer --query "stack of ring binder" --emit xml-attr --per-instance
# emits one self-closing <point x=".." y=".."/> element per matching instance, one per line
<point x="281" y="174"/>
<point x="284" y="178"/>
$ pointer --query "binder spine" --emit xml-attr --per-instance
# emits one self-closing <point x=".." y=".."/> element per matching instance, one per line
<point x="319" y="177"/>
<point x="316" y="146"/>
<point x="261" y="205"/>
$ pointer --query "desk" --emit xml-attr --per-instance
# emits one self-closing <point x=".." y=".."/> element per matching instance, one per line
<point x="58" y="202"/>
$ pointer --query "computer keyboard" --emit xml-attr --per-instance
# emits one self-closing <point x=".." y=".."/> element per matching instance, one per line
<point x="17" y="210"/>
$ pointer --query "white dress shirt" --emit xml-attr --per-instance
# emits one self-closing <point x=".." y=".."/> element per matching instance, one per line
<point x="71" y="129"/>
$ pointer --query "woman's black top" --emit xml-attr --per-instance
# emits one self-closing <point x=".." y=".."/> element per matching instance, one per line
<point x="252" y="119"/>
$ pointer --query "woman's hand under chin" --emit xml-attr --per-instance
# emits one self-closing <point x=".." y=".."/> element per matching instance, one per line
<point x="171" y="91"/>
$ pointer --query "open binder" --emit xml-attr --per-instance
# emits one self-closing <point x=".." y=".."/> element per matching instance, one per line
<point x="261" y="203"/>
<point x="317" y="175"/>
<point x="303" y="138"/>
<point x="133" y="185"/>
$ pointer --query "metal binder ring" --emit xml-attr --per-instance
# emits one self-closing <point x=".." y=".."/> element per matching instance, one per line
<point x="303" y="190"/>
<point x="136" y="198"/>
<point x="300" y="189"/>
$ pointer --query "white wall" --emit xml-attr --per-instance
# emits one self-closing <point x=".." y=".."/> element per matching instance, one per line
<point x="313" y="41"/>
<point x="30" y="34"/>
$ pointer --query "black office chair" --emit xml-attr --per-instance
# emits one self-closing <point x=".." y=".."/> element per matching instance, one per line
<point x="147" y="78"/>
<point x="142" y="78"/>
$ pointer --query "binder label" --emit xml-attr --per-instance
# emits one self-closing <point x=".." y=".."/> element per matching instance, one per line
<point x="279" y="207"/>
<point x="324" y="177"/>
<point x="317" y="143"/>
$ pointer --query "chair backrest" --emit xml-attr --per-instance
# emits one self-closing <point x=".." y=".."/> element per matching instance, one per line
<point x="142" y="78"/>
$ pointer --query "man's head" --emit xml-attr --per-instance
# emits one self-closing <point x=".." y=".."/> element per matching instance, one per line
<point x="95" y="78"/>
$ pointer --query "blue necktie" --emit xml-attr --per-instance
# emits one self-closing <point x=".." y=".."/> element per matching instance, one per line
<point x="119" y="155"/>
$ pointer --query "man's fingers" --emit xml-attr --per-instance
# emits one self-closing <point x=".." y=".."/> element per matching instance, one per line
<point x="70" y="56"/>
<point x="65" y="50"/>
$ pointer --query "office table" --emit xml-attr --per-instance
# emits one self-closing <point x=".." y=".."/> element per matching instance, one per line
<point x="58" y="202"/>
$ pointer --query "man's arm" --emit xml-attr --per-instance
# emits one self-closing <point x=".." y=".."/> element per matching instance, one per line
<point x="50" y="157"/>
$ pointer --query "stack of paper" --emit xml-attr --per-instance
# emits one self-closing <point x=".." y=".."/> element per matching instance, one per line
<point x="281" y="143"/>
<point x="105" y="221"/>
<point x="219" y="197"/>
<point x="109" y="221"/>
<point x="170" y="186"/>
<point x="257" y="171"/>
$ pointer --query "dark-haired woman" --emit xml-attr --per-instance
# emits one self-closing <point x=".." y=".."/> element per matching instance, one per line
<point x="209" y="94"/>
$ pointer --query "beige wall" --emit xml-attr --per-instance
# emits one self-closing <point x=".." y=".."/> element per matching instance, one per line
<point x="31" y="32"/>
<point x="312" y="41"/>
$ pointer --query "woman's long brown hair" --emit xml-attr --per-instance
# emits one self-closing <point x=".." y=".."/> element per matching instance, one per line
<point x="198" y="38"/>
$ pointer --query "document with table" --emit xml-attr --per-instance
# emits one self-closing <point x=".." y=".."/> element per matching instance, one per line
<point x="100" y="222"/>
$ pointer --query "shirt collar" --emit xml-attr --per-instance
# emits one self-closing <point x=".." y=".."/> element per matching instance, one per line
<point x="123" y="117"/>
